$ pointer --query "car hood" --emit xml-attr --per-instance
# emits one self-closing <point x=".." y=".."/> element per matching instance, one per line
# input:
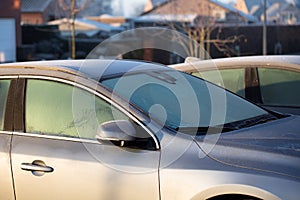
<point x="272" y="147"/>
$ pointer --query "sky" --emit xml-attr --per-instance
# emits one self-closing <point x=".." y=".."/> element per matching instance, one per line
<point x="127" y="9"/>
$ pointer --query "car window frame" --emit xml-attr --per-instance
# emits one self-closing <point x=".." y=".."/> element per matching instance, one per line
<point x="10" y="103"/>
<point x="6" y="134"/>
<point x="251" y="76"/>
<point x="252" y="85"/>
<point x="19" y="108"/>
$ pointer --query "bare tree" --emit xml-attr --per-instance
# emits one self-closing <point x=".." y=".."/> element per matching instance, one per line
<point x="226" y="45"/>
<point x="202" y="34"/>
<point x="202" y="24"/>
<point x="71" y="12"/>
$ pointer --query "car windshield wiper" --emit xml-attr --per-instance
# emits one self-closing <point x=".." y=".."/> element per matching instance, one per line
<point x="205" y="130"/>
<point x="252" y="121"/>
<point x="232" y="126"/>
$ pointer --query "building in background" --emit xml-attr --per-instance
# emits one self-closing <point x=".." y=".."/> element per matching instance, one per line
<point x="85" y="28"/>
<point x="40" y="12"/>
<point x="278" y="11"/>
<point x="10" y="37"/>
<point x="213" y="9"/>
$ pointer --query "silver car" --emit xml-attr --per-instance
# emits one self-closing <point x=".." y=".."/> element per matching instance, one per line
<point x="271" y="81"/>
<point x="100" y="129"/>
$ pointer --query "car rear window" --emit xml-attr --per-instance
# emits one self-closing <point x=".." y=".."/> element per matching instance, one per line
<point x="279" y="87"/>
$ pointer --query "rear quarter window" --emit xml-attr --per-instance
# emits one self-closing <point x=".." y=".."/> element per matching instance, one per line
<point x="279" y="87"/>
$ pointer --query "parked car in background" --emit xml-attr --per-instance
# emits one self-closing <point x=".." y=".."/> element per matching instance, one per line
<point x="270" y="81"/>
<point x="99" y="129"/>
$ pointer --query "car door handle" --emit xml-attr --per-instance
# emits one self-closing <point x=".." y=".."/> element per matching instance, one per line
<point x="36" y="166"/>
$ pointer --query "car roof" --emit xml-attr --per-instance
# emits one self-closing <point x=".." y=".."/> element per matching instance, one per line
<point x="269" y="58"/>
<point x="92" y="68"/>
<point x="283" y="62"/>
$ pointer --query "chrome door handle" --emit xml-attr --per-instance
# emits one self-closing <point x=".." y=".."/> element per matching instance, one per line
<point x="36" y="166"/>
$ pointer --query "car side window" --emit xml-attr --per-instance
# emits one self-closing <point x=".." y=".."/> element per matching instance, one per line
<point x="233" y="79"/>
<point x="4" y="87"/>
<point x="60" y="109"/>
<point x="279" y="87"/>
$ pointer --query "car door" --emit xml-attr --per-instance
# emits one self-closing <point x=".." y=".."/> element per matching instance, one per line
<point x="6" y="105"/>
<point x="55" y="154"/>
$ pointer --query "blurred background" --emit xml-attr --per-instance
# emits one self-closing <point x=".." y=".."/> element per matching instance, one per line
<point x="70" y="29"/>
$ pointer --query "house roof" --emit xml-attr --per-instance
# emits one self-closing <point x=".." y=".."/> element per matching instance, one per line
<point x="256" y="7"/>
<point x="167" y="17"/>
<point x="279" y="8"/>
<point x="34" y="5"/>
<point x="87" y="24"/>
<point x="259" y="3"/>
<point x="225" y="6"/>
<point x="234" y="10"/>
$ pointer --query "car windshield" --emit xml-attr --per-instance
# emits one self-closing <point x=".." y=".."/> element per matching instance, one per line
<point x="179" y="100"/>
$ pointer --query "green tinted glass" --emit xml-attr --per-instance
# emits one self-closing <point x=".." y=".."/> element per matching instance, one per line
<point x="233" y="79"/>
<point x="4" y="87"/>
<point x="279" y="87"/>
<point x="61" y="109"/>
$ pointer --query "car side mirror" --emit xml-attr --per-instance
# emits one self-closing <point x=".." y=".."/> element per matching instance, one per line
<point x="125" y="134"/>
<point x="116" y="131"/>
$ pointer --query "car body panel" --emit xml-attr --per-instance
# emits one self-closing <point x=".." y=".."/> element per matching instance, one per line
<point x="6" y="120"/>
<point x="272" y="147"/>
<point x="278" y="62"/>
<point x="74" y="165"/>
<point x="82" y="170"/>
<point x="292" y="110"/>
<point x="6" y="181"/>
<point x="197" y="175"/>
<point x="179" y="167"/>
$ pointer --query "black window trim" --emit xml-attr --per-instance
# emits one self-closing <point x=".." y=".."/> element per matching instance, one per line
<point x="252" y="85"/>
<point x="18" y="118"/>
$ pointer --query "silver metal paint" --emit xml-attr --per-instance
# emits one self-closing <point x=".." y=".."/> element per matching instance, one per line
<point x="6" y="177"/>
<point x="79" y="175"/>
